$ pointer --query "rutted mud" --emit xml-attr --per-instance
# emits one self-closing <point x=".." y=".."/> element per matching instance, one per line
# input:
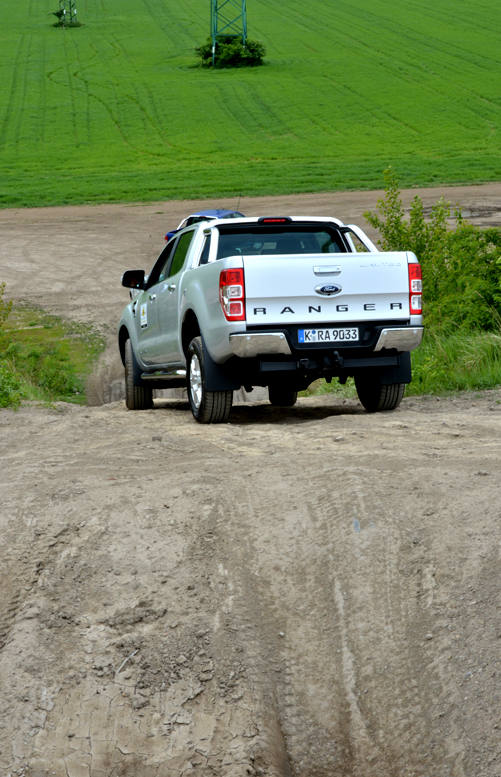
<point x="311" y="592"/>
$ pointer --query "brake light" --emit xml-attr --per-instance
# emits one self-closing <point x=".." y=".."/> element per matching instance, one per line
<point x="232" y="294"/>
<point x="274" y="220"/>
<point x="415" y="289"/>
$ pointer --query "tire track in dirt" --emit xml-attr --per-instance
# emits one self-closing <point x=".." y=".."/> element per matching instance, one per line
<point x="343" y="733"/>
<point x="240" y="635"/>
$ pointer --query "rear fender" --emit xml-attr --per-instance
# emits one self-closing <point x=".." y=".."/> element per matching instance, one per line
<point x="217" y="376"/>
<point x="127" y="331"/>
<point x="200" y="293"/>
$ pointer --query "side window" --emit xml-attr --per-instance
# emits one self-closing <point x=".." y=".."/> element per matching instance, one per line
<point x="204" y="258"/>
<point x="330" y="244"/>
<point x="360" y="247"/>
<point x="182" y="247"/>
<point x="160" y="267"/>
<point x="165" y="266"/>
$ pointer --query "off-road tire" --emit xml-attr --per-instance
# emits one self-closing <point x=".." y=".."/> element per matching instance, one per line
<point x="376" y="396"/>
<point x="136" y="397"/>
<point x="282" y="397"/>
<point x="208" y="407"/>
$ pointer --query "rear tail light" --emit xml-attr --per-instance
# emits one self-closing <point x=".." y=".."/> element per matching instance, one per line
<point x="415" y="289"/>
<point x="232" y="294"/>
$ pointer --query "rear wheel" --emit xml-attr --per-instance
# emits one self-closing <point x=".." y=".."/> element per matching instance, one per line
<point x="282" y="397"/>
<point x="137" y="397"/>
<point x="208" y="407"/>
<point x="376" y="396"/>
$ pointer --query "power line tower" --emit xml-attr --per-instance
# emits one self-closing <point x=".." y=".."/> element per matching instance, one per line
<point x="67" y="12"/>
<point x="72" y="11"/>
<point x="228" y="19"/>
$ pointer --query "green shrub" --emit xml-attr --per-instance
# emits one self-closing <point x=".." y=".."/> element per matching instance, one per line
<point x="56" y="377"/>
<point x="5" y="307"/>
<point x="461" y="267"/>
<point x="461" y="263"/>
<point x="10" y="388"/>
<point x="65" y="25"/>
<point x="231" y="53"/>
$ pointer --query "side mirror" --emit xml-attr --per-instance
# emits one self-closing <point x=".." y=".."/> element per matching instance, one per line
<point x="133" y="279"/>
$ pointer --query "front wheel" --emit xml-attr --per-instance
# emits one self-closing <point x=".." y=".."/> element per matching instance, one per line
<point x="282" y="397"/>
<point x="137" y="397"/>
<point x="376" y="396"/>
<point x="208" y="407"/>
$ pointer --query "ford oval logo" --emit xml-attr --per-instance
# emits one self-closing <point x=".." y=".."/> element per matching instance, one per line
<point x="328" y="289"/>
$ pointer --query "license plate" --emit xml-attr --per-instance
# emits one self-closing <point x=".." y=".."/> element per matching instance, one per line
<point x="327" y="335"/>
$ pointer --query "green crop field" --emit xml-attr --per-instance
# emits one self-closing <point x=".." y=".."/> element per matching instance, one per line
<point x="116" y="110"/>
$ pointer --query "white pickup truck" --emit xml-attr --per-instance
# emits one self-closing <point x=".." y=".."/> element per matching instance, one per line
<point x="271" y="301"/>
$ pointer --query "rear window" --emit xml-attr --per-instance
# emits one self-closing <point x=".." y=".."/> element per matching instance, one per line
<point x="262" y="241"/>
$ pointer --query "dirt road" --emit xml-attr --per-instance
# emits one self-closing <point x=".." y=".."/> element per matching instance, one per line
<point x="310" y="592"/>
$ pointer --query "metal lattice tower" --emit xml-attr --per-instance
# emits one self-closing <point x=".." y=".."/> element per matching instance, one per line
<point x="71" y="10"/>
<point x="67" y="12"/>
<point x="228" y="19"/>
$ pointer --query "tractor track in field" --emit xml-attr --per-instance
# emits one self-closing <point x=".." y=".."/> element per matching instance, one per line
<point x="306" y="592"/>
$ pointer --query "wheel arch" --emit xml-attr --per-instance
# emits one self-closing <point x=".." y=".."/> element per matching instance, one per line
<point x="190" y="329"/>
<point x="123" y="336"/>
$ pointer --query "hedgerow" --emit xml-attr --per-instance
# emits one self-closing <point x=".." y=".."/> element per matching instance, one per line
<point x="461" y="263"/>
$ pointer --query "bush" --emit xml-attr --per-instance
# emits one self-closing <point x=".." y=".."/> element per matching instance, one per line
<point x="56" y="378"/>
<point x="67" y="25"/>
<point x="10" y="389"/>
<point x="5" y="307"/>
<point x="231" y="53"/>
<point x="461" y="264"/>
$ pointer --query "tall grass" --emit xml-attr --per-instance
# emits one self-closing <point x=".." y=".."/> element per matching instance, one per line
<point x="118" y="110"/>
<point x="443" y="364"/>
<point x="461" y="361"/>
<point x="44" y="358"/>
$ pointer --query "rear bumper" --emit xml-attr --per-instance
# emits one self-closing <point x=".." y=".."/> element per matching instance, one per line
<point x="403" y="339"/>
<point x="251" y="344"/>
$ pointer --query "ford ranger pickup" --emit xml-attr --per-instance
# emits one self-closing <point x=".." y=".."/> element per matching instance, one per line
<point x="271" y="301"/>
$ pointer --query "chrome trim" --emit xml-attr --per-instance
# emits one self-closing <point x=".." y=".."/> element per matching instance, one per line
<point x="196" y="387"/>
<point x="248" y="345"/>
<point x="332" y="270"/>
<point x="328" y="289"/>
<point x="164" y="374"/>
<point x="404" y="339"/>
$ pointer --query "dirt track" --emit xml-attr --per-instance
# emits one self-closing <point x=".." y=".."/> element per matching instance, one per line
<point x="312" y="592"/>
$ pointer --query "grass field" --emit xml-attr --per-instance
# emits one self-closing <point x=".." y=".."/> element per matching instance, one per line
<point x="115" y="110"/>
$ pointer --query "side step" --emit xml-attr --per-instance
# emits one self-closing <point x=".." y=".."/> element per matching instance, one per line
<point x="173" y="374"/>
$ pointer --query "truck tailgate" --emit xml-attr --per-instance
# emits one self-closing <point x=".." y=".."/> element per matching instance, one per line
<point x="290" y="289"/>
